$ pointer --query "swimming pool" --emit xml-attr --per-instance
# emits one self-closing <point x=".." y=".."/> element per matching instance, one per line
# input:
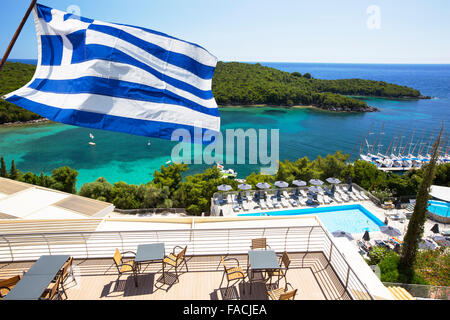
<point x="350" y="218"/>
<point x="440" y="208"/>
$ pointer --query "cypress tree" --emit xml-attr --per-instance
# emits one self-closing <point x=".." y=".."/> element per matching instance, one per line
<point x="419" y="216"/>
<point x="13" y="171"/>
<point x="3" y="172"/>
<point x="42" y="180"/>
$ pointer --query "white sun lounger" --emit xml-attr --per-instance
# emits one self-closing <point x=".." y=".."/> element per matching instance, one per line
<point x="269" y="203"/>
<point x="327" y="199"/>
<point x="364" y="195"/>
<point x="293" y="202"/>
<point x="345" y="197"/>
<point x="320" y="199"/>
<point x="352" y="196"/>
<point x="285" y="194"/>
<point x="337" y="197"/>
<point x="262" y="204"/>
<point x="303" y="193"/>
<point x="275" y="202"/>
<point x="245" y="206"/>
<point x="284" y="203"/>
<point x="359" y="195"/>
<point x="302" y="201"/>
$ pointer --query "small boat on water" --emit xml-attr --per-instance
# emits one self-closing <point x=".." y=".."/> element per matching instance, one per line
<point x="226" y="173"/>
<point x="92" y="143"/>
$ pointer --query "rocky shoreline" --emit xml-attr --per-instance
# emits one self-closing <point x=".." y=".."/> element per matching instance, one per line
<point x="22" y="123"/>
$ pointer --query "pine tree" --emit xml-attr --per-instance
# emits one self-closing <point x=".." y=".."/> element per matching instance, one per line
<point x="13" y="172"/>
<point x="419" y="216"/>
<point x="3" y="172"/>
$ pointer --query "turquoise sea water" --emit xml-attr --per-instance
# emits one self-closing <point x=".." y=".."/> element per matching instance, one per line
<point x="303" y="132"/>
<point x="352" y="218"/>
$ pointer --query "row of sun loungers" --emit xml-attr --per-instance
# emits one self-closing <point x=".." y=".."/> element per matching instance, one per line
<point x="297" y="198"/>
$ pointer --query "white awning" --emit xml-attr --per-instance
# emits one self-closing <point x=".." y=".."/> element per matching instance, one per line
<point x="441" y="193"/>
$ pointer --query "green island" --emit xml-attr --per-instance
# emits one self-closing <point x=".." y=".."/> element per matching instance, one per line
<point x="247" y="85"/>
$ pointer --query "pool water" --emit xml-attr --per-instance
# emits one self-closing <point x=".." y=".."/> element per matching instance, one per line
<point x="440" y="208"/>
<point x="350" y="218"/>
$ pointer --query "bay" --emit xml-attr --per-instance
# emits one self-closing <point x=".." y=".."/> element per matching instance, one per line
<point x="303" y="132"/>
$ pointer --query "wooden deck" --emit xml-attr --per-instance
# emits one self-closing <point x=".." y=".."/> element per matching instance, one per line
<point x="97" y="279"/>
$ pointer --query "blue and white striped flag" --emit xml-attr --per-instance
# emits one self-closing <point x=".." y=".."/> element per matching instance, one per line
<point x="118" y="77"/>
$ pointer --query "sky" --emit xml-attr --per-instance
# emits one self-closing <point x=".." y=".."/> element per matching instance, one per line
<point x="328" y="31"/>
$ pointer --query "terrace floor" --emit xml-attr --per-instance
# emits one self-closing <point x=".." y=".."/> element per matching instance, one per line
<point x="97" y="279"/>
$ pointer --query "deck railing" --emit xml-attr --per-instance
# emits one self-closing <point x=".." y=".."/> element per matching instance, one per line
<point x="102" y="244"/>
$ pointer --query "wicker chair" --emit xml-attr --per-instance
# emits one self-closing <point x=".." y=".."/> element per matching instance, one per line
<point x="125" y="266"/>
<point x="285" y="261"/>
<point x="282" y="293"/>
<point x="54" y="291"/>
<point x="6" y="285"/>
<point x="176" y="260"/>
<point x="260" y="243"/>
<point x="234" y="274"/>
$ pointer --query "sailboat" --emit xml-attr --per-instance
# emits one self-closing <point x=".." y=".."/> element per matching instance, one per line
<point x="92" y="137"/>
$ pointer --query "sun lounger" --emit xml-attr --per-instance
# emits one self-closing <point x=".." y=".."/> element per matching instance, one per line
<point x="284" y="203"/>
<point x="345" y="197"/>
<point x="293" y="202"/>
<point x="445" y="233"/>
<point x="285" y="194"/>
<point x="303" y="193"/>
<point x="320" y="199"/>
<point x="245" y="206"/>
<point x="302" y="201"/>
<point x="269" y="203"/>
<point x="337" y="198"/>
<point x="352" y="196"/>
<point x="326" y="199"/>
<point x="262" y="204"/>
<point x="275" y="202"/>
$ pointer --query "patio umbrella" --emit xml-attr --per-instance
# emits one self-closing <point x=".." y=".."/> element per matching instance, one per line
<point x="263" y="185"/>
<point x="342" y="234"/>
<point x="390" y="231"/>
<point x="313" y="189"/>
<point x="224" y="187"/>
<point x="299" y="183"/>
<point x="281" y="184"/>
<point x="244" y="186"/>
<point x="316" y="182"/>
<point x="333" y="180"/>
<point x="366" y="236"/>
<point x="427" y="244"/>
<point x="435" y="228"/>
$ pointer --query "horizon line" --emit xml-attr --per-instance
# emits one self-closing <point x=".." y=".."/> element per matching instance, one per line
<point x="315" y="62"/>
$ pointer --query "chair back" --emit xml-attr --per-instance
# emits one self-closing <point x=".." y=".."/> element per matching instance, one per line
<point x="285" y="260"/>
<point x="7" y="284"/>
<point x="181" y="254"/>
<point x="10" y="282"/>
<point x="288" y="295"/>
<point x="54" y="289"/>
<point x="117" y="258"/>
<point x="66" y="267"/>
<point x="224" y="265"/>
<point x="260" y="243"/>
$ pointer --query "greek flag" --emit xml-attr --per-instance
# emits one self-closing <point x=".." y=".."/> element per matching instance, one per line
<point x="118" y="77"/>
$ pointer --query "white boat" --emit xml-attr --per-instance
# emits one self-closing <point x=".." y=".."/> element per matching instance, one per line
<point x="92" y="143"/>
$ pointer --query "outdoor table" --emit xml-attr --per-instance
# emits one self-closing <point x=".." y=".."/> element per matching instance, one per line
<point x="37" y="278"/>
<point x="150" y="253"/>
<point x="262" y="260"/>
